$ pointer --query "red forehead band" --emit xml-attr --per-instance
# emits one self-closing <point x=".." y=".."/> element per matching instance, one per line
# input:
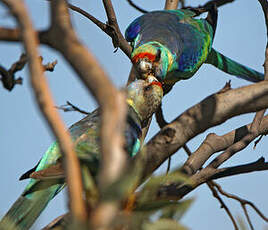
<point x="136" y="58"/>
<point x="157" y="83"/>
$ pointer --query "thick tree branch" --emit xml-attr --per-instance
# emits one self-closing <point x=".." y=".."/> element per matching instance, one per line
<point x="214" y="143"/>
<point x="111" y="101"/>
<point x="46" y="105"/>
<point x="210" y="112"/>
<point x="177" y="191"/>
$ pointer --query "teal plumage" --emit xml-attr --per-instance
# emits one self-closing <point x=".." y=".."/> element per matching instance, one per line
<point x="143" y="98"/>
<point x="172" y="45"/>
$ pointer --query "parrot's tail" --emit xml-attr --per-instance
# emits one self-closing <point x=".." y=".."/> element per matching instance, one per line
<point x="28" y="206"/>
<point x="232" y="67"/>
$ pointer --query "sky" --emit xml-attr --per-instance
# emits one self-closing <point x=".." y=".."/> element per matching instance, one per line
<point x="24" y="135"/>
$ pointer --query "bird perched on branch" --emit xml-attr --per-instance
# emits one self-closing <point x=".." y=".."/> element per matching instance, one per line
<point x="172" y="45"/>
<point x="143" y="99"/>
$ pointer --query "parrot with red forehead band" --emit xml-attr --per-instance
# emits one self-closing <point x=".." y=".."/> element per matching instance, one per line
<point x="47" y="178"/>
<point x="172" y="45"/>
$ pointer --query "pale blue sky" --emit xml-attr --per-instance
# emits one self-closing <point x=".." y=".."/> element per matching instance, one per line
<point x="25" y="136"/>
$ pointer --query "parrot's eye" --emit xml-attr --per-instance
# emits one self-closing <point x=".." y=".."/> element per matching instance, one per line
<point x="158" y="55"/>
<point x="147" y="88"/>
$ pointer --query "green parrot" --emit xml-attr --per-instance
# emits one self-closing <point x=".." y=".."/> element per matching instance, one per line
<point x="143" y="99"/>
<point x="172" y="45"/>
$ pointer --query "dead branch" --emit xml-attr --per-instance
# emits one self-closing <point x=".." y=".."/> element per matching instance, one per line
<point x="210" y="112"/>
<point x="211" y="185"/>
<point x="259" y="165"/>
<point x="46" y="105"/>
<point x="214" y="143"/>
<point x="70" y="107"/>
<point x="223" y="205"/>
<point x="8" y="76"/>
<point x="112" y="30"/>
<point x="243" y="203"/>
<point x="50" y="66"/>
<point x="171" y="4"/>
<point x="254" y="130"/>
<point x="137" y="7"/>
<point x="177" y="191"/>
<point x="207" y="6"/>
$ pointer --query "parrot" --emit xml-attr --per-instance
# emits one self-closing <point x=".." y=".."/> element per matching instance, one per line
<point x="172" y="45"/>
<point x="143" y="99"/>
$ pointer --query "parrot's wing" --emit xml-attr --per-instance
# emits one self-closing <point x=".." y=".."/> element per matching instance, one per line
<point x="53" y="172"/>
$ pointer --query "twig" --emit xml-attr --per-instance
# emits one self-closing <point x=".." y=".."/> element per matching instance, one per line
<point x="257" y="141"/>
<point x="207" y="6"/>
<point x="110" y="29"/>
<point x="137" y="7"/>
<point x="46" y="106"/>
<point x="223" y="205"/>
<point x="70" y="107"/>
<point x="211" y="185"/>
<point x="117" y="37"/>
<point x="243" y="202"/>
<point x="50" y="66"/>
<point x="8" y="76"/>
<point x="97" y="22"/>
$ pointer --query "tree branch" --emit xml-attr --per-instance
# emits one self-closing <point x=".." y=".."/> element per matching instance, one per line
<point x="210" y="112"/>
<point x="8" y="76"/>
<point x="171" y="4"/>
<point x="137" y="7"/>
<point x="46" y="105"/>
<point x="214" y="143"/>
<point x="223" y="205"/>
<point x="243" y="203"/>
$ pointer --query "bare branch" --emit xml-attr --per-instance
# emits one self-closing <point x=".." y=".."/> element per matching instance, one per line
<point x="8" y="76"/>
<point x="50" y="66"/>
<point x="177" y="191"/>
<point x="223" y="205"/>
<point x="137" y="7"/>
<point x="46" y="105"/>
<point x="70" y="107"/>
<point x="171" y="4"/>
<point x="212" y="111"/>
<point x="243" y="202"/>
<point x="255" y="126"/>
<point x="118" y="38"/>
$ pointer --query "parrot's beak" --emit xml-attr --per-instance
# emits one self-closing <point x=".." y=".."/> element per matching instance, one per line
<point x="144" y="67"/>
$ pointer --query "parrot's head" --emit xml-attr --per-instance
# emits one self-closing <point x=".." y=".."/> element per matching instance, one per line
<point x="152" y="58"/>
<point x="145" y="96"/>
